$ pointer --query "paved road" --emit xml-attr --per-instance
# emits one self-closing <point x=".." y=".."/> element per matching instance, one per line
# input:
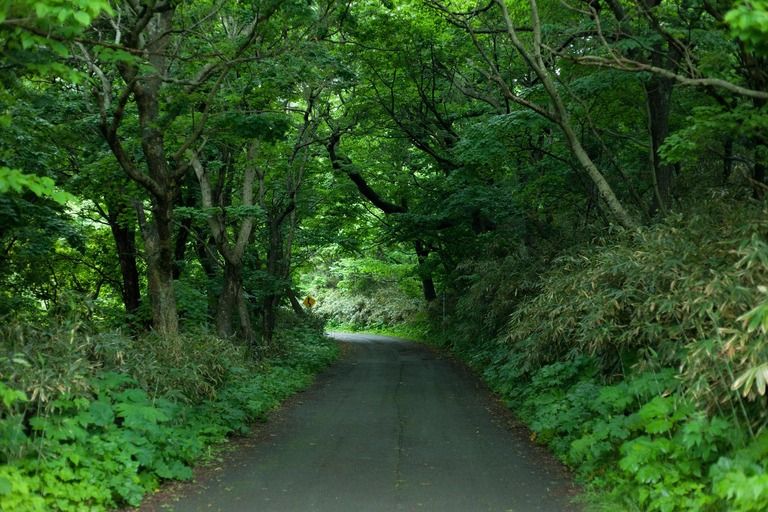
<point x="391" y="427"/>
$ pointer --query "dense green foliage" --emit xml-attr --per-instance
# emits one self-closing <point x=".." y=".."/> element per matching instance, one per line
<point x="110" y="420"/>
<point x="367" y="293"/>
<point x="630" y="372"/>
<point x="572" y="197"/>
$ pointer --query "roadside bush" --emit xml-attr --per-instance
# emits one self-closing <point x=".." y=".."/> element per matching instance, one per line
<point x="369" y="294"/>
<point x="688" y="292"/>
<point x="640" y="361"/>
<point x="640" y="443"/>
<point x="300" y="348"/>
<point x="193" y="366"/>
<point x="117" y="432"/>
<point x="491" y="291"/>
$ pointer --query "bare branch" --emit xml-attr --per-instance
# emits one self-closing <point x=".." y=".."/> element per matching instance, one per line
<point x="624" y="64"/>
<point x="214" y="222"/>
<point x="104" y="96"/>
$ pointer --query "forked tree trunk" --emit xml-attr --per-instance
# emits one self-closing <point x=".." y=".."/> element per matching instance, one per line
<point x="231" y="300"/>
<point x="147" y="31"/>
<point x="159" y="180"/>
<point x="658" y="98"/>
<point x="232" y="304"/>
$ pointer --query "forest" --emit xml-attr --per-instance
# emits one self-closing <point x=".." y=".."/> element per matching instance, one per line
<point x="567" y="195"/>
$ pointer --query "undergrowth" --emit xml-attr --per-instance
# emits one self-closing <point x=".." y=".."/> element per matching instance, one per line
<point x="99" y="421"/>
<point x="641" y="361"/>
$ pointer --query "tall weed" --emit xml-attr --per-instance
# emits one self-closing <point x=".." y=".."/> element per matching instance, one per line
<point x="688" y="292"/>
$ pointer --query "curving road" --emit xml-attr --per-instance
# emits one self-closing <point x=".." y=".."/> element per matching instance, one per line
<point x="391" y="427"/>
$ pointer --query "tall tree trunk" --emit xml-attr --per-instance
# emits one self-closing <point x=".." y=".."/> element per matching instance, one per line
<point x="204" y="250"/>
<point x="159" y="180"/>
<point x="658" y="95"/>
<point x="158" y="246"/>
<point x="125" y="243"/>
<point x="232" y="304"/>
<point x="278" y="264"/>
<point x="427" y="283"/>
<point x="228" y="303"/>
<point x="274" y="264"/>
<point x="658" y="92"/>
<point x="231" y="299"/>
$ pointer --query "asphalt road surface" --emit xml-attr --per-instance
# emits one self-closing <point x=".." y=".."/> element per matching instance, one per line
<point x="391" y="427"/>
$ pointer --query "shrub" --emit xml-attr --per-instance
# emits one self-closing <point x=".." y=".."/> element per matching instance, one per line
<point x="686" y="291"/>
<point x="120" y="431"/>
<point x="368" y="293"/>
<point x="640" y="361"/>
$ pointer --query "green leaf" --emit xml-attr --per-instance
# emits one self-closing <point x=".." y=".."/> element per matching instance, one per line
<point x="757" y="376"/>
<point x="11" y="396"/>
<point x="176" y="470"/>
<point x="16" y="180"/>
<point x="42" y="9"/>
<point x="83" y="18"/>
<point x="101" y="413"/>
<point x="658" y="426"/>
<point x="112" y="381"/>
<point x="63" y="14"/>
<point x="58" y="48"/>
<point x="27" y="40"/>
